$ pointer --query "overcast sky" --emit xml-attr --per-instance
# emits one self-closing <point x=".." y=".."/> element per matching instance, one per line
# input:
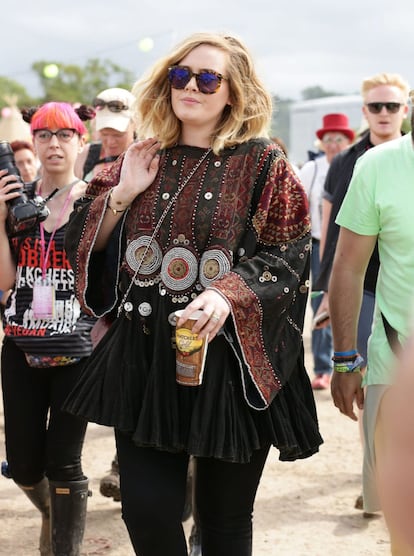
<point x="296" y="43"/>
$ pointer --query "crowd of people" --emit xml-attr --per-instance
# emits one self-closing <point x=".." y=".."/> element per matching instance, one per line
<point x="181" y="201"/>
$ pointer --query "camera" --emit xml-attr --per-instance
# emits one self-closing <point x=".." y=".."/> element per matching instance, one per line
<point x="23" y="212"/>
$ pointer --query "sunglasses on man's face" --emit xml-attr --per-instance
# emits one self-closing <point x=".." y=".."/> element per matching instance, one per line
<point x="376" y="107"/>
<point x="208" y="81"/>
<point x="112" y="105"/>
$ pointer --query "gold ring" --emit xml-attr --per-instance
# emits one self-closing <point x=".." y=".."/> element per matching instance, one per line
<point x="215" y="317"/>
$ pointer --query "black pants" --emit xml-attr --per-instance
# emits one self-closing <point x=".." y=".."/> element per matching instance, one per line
<point x="40" y="438"/>
<point x="153" y="493"/>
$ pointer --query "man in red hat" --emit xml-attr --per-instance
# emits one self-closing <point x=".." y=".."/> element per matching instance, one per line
<point x="334" y="136"/>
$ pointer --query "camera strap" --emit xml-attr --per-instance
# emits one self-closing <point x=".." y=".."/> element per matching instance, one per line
<point x="58" y="191"/>
<point x="30" y="188"/>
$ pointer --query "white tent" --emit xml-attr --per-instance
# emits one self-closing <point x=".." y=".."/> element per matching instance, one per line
<point x="12" y="125"/>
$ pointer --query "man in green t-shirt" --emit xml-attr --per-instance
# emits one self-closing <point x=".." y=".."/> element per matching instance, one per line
<point x="377" y="207"/>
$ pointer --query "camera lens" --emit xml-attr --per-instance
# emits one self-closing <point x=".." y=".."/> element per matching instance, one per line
<point x="7" y="159"/>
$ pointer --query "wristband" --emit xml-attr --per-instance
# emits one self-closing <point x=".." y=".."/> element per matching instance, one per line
<point x="349" y="353"/>
<point x="349" y="366"/>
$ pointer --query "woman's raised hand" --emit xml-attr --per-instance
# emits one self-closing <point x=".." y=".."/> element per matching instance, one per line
<point x="139" y="168"/>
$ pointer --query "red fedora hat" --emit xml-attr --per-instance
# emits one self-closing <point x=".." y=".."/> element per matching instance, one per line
<point x="336" y="122"/>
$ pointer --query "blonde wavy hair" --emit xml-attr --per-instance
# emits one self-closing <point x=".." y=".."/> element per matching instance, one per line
<point x="392" y="79"/>
<point x="248" y="117"/>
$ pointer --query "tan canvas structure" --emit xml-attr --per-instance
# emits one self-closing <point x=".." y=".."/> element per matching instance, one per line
<point x="12" y="125"/>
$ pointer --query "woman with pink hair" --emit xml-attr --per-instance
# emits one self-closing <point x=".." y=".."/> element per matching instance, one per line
<point x="46" y="334"/>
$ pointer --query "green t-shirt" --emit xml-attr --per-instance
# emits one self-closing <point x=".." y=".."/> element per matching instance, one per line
<point x="380" y="201"/>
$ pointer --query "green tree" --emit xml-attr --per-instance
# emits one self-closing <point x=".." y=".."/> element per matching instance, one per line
<point x="74" y="83"/>
<point x="406" y="125"/>
<point x="10" y="88"/>
<point x="317" y="91"/>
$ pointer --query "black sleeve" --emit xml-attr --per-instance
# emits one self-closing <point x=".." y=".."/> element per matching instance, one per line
<point x="93" y="156"/>
<point x="337" y="187"/>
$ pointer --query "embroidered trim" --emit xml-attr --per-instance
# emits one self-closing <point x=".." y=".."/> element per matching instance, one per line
<point x="179" y="269"/>
<point x="152" y="260"/>
<point x="214" y="264"/>
<point x="247" y="321"/>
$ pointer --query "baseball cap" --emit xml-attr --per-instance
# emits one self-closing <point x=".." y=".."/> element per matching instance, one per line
<point x="113" y="109"/>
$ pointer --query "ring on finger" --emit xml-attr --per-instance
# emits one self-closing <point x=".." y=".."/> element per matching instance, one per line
<point x="215" y="317"/>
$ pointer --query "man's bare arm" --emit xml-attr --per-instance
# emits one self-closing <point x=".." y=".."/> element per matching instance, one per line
<point x="352" y="255"/>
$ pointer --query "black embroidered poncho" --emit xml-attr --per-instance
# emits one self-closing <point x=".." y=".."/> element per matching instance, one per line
<point x="241" y="227"/>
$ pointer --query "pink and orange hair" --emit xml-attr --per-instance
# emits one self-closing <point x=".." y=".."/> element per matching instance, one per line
<point x="57" y="115"/>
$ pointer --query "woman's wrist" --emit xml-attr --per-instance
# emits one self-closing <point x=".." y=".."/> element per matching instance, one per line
<point x="115" y="205"/>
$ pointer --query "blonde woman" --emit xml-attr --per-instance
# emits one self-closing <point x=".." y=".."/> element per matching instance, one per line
<point x="206" y="215"/>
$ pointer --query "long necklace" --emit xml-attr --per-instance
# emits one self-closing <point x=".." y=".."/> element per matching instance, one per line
<point x="158" y="226"/>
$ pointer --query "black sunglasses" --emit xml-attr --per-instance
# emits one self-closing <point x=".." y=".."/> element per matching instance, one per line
<point x="376" y="107"/>
<point x="113" y="105"/>
<point x="208" y="81"/>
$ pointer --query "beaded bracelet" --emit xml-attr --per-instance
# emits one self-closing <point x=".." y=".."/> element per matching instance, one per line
<point x="349" y="366"/>
<point x="345" y="356"/>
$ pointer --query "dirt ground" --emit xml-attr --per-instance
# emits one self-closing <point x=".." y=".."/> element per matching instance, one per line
<point x="305" y="508"/>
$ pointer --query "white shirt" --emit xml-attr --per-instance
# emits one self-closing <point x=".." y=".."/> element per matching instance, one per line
<point x="312" y="175"/>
